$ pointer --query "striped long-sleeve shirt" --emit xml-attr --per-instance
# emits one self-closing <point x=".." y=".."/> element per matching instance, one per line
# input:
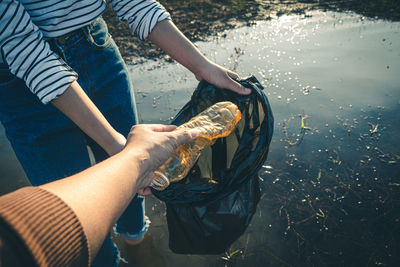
<point x="26" y="24"/>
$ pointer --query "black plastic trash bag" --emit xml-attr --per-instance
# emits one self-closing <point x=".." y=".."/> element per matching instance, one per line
<point x="213" y="205"/>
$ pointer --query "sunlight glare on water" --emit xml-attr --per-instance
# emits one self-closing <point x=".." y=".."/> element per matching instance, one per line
<point x="330" y="186"/>
<point x="334" y="86"/>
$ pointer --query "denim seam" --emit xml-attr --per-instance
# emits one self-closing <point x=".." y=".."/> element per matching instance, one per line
<point x="107" y="44"/>
<point x="90" y="39"/>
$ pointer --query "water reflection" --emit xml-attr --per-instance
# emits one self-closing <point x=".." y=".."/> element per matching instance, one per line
<point x="330" y="188"/>
<point x="330" y="185"/>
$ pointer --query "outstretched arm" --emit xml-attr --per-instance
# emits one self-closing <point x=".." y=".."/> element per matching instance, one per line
<point x="149" y="19"/>
<point x="172" y="41"/>
<point x="37" y="224"/>
<point x="100" y="194"/>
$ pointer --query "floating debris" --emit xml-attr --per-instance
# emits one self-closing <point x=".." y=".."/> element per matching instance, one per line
<point x="142" y="93"/>
<point x="228" y="256"/>
<point x="320" y="213"/>
<point x="374" y="128"/>
<point x="303" y="130"/>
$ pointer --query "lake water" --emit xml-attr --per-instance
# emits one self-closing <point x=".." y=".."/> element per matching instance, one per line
<point x="330" y="191"/>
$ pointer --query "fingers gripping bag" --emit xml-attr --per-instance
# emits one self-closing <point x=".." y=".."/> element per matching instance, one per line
<point x="213" y="204"/>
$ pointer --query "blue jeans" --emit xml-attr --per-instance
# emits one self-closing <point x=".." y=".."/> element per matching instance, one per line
<point x="49" y="145"/>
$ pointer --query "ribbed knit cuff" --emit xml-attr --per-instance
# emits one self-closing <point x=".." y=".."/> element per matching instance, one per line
<point x="47" y="225"/>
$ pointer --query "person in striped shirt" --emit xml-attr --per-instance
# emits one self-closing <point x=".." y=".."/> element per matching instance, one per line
<point x="59" y="52"/>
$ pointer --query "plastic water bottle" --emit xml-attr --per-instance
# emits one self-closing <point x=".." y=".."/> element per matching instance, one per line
<point x="217" y="121"/>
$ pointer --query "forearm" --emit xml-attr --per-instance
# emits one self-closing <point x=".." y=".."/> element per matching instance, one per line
<point x="100" y="194"/>
<point x="172" y="41"/>
<point x="76" y="105"/>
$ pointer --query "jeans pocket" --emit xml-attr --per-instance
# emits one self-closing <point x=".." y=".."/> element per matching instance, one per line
<point x="6" y="77"/>
<point x="98" y="35"/>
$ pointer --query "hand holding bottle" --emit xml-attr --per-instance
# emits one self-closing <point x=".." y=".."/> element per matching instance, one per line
<point x="153" y="144"/>
<point x="215" y="122"/>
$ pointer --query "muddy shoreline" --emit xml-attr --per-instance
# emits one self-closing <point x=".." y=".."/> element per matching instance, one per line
<point x="198" y="19"/>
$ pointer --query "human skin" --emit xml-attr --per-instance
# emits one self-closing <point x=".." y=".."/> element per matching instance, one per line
<point x="172" y="41"/>
<point x="80" y="109"/>
<point x="75" y="104"/>
<point x="100" y="194"/>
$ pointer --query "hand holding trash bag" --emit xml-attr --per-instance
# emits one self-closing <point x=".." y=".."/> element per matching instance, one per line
<point x="213" y="205"/>
<point x="222" y="78"/>
<point x="167" y="37"/>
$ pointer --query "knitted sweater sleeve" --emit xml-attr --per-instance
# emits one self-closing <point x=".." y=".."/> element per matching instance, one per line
<point x="42" y="228"/>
